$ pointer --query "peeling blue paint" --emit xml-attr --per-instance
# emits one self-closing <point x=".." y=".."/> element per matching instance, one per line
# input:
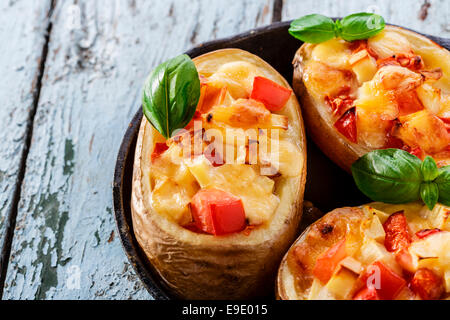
<point x="69" y="155"/>
<point x="48" y="208"/>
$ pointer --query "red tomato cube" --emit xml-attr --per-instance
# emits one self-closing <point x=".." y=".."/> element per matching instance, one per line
<point x="270" y="93"/>
<point x="218" y="212"/>
<point x="387" y="283"/>
<point x="158" y="150"/>
<point x="328" y="261"/>
<point x="397" y="234"/>
<point x="346" y="125"/>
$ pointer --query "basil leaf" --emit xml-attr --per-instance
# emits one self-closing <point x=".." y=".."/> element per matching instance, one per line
<point x="313" y="28"/>
<point x="430" y="194"/>
<point x="389" y="175"/>
<point x="338" y="27"/>
<point x="443" y="183"/>
<point x="361" y="25"/>
<point x="316" y="28"/>
<point x="429" y="169"/>
<point x="171" y="95"/>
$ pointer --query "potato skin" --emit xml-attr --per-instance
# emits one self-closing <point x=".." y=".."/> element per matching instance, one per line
<point x="341" y="151"/>
<point x="322" y="132"/>
<point x="295" y="275"/>
<point x="294" y="280"/>
<point x="199" y="266"/>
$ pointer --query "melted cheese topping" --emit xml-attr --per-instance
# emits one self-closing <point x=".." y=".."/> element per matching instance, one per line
<point x="176" y="177"/>
<point x="368" y="246"/>
<point x="400" y="89"/>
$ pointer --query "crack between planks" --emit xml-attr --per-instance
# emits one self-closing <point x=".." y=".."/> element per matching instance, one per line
<point x="277" y="10"/>
<point x="11" y="224"/>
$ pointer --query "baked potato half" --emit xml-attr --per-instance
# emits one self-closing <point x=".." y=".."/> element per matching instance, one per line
<point x="389" y="91"/>
<point x="199" y="263"/>
<point x="374" y="252"/>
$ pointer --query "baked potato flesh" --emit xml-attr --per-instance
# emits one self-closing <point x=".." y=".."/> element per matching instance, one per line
<point x="374" y="252"/>
<point x="194" y="264"/>
<point x="397" y="83"/>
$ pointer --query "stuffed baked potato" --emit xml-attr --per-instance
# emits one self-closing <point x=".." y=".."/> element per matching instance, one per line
<point x="217" y="229"/>
<point x="389" y="91"/>
<point x="374" y="252"/>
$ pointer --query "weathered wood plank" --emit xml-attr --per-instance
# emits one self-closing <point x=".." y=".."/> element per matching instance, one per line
<point x="22" y="32"/>
<point x="99" y="55"/>
<point x="430" y="16"/>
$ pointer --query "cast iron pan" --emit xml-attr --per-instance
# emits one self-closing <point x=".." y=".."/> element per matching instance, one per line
<point x="327" y="186"/>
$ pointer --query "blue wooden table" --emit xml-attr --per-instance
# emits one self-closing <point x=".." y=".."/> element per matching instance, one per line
<point x="72" y="76"/>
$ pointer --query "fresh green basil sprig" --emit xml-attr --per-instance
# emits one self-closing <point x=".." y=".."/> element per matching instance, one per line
<point x="316" y="28"/>
<point x="171" y="94"/>
<point x="396" y="176"/>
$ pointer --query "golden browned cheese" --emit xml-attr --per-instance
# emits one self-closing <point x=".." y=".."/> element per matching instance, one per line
<point x="399" y="84"/>
<point x="301" y="258"/>
<point x="364" y="234"/>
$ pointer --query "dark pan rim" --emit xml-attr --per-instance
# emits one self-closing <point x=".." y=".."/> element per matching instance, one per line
<point x="147" y="274"/>
<point x="211" y="45"/>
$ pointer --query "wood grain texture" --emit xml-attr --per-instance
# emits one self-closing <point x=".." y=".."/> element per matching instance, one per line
<point x="430" y="17"/>
<point x="99" y="55"/>
<point x="22" y="33"/>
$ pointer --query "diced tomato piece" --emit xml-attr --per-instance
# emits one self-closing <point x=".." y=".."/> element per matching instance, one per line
<point x="427" y="284"/>
<point x="218" y="212"/>
<point x="408" y="102"/>
<point x="387" y="283"/>
<point x="340" y="104"/>
<point x="158" y="150"/>
<point x="416" y="151"/>
<point x="446" y="120"/>
<point x="270" y="93"/>
<point x="391" y="140"/>
<point x="327" y="262"/>
<point x="210" y="96"/>
<point x="427" y="232"/>
<point x="367" y="294"/>
<point x="397" y="234"/>
<point x="229" y="217"/>
<point x="346" y="125"/>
